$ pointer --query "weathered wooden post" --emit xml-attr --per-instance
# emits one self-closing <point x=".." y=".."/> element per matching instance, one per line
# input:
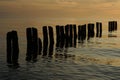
<point x="32" y="44"/>
<point x="83" y="32"/>
<point x="45" y="41"/>
<point x="79" y="33"/>
<point x="35" y="43"/>
<point x="71" y="35"/>
<point x="57" y="36"/>
<point x="115" y="25"/>
<point x="75" y="35"/>
<point x="110" y="26"/>
<point x="100" y="30"/>
<point x="66" y="36"/>
<point x="15" y="47"/>
<point x="97" y="29"/>
<point x="51" y="40"/>
<point x="39" y="46"/>
<point x="90" y="30"/>
<point x="62" y="37"/>
<point x="29" y="44"/>
<point x="9" y="48"/>
<point x="12" y="48"/>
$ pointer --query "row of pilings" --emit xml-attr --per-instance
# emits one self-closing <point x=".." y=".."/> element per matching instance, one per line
<point x="66" y="36"/>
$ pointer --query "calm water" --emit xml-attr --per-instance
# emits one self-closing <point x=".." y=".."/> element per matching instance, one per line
<point x="98" y="59"/>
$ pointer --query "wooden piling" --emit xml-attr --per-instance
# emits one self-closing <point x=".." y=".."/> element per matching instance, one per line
<point x="29" y="44"/>
<point x="15" y="47"/>
<point x="79" y="33"/>
<point x="9" y="48"/>
<point x="12" y="48"/>
<point x="83" y="32"/>
<point x="35" y="44"/>
<point x="57" y="35"/>
<point x="75" y="35"/>
<point x="71" y="35"/>
<point x="100" y="30"/>
<point x="45" y="40"/>
<point x="39" y="46"/>
<point x="90" y="30"/>
<point x="62" y="37"/>
<point x="51" y="40"/>
<point x="32" y="44"/>
<point x="66" y="36"/>
<point x="97" y="29"/>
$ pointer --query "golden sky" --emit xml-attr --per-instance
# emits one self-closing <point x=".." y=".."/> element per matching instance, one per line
<point x="27" y="11"/>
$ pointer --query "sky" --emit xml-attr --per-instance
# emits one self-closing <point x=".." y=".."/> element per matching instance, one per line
<point x="33" y="12"/>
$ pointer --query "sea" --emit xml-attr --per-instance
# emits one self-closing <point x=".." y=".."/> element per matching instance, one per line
<point x="96" y="59"/>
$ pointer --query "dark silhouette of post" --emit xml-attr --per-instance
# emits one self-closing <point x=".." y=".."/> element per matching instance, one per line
<point x="115" y="25"/>
<point x="71" y="35"/>
<point x="45" y="40"/>
<point x="112" y="26"/>
<point x="35" y="43"/>
<point x="12" y="48"/>
<point x="62" y="37"/>
<point x="79" y="32"/>
<point x="66" y="36"/>
<point x="100" y="30"/>
<point x="32" y="44"/>
<point x="9" y="48"/>
<point x="57" y="36"/>
<point x="39" y="46"/>
<point x="97" y="29"/>
<point x="75" y="35"/>
<point x="51" y="41"/>
<point x="90" y="30"/>
<point x="83" y="32"/>
<point x="29" y="44"/>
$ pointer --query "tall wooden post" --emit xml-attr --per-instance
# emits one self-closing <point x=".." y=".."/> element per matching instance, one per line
<point x="51" y="39"/>
<point x="45" y="41"/>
